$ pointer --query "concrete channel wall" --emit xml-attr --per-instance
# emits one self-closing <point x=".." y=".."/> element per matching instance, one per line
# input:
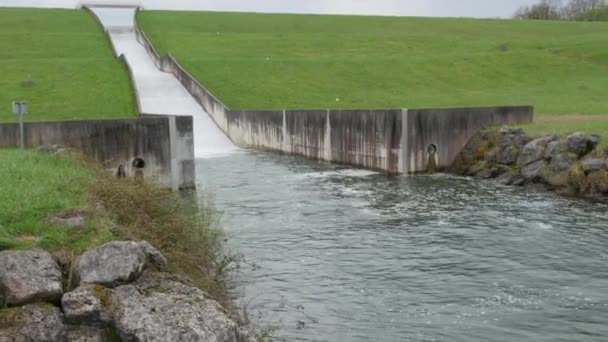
<point x="395" y="140"/>
<point x="163" y="143"/>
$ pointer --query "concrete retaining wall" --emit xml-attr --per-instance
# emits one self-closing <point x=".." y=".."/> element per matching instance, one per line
<point x="394" y="141"/>
<point x="449" y="130"/>
<point x="164" y="143"/>
<point x="169" y="155"/>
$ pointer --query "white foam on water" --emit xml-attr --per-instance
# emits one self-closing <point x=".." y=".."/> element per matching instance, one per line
<point x="355" y="173"/>
<point x="161" y="93"/>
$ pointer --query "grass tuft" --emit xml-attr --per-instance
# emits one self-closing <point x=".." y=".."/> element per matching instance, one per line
<point x="187" y="233"/>
<point x="36" y="186"/>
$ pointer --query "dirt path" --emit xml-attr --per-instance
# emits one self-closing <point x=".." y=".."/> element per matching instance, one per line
<point x="570" y="118"/>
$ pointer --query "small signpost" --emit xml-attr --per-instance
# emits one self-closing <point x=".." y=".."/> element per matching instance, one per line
<point x="20" y="108"/>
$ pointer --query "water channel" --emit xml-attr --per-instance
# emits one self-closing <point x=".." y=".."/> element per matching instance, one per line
<point x="335" y="254"/>
<point x="338" y="254"/>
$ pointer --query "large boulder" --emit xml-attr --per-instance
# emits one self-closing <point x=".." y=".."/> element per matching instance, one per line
<point x="581" y="143"/>
<point x="87" y="305"/>
<point x="28" y="277"/>
<point x="510" y="142"/>
<point x="116" y="263"/>
<point x="595" y="164"/>
<point x="563" y="161"/>
<point x="511" y="178"/>
<point x="534" y="151"/>
<point x="32" y="322"/>
<point x="535" y="172"/>
<point x="158" y="307"/>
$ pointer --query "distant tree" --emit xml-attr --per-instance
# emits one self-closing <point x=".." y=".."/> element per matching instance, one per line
<point x="582" y="10"/>
<point x="544" y="10"/>
<point x="589" y="10"/>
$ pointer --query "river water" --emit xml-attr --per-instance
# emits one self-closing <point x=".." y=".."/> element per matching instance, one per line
<point x="344" y="255"/>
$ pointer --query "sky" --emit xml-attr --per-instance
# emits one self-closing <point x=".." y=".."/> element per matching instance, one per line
<point x="427" y="8"/>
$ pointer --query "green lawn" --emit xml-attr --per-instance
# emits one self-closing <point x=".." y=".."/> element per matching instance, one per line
<point x="36" y="186"/>
<point x="61" y="63"/>
<point x="275" y="61"/>
<point x="566" y="128"/>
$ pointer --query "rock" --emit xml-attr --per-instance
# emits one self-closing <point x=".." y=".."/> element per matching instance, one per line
<point x="155" y="258"/>
<point x="117" y="263"/>
<point x="475" y="169"/>
<point x="595" y="164"/>
<point x="553" y="148"/>
<point x="87" y="304"/>
<point x="492" y="155"/>
<point x="511" y="178"/>
<point x="112" y="264"/>
<point x="493" y="172"/>
<point x="50" y="149"/>
<point x="159" y="308"/>
<point x="71" y="220"/>
<point x="511" y="131"/>
<point x="535" y="172"/>
<point x="510" y="141"/>
<point x="508" y="155"/>
<point x="87" y="334"/>
<point x="581" y="143"/>
<point x="33" y="322"/>
<point x="29" y="276"/>
<point x="563" y="161"/>
<point x="534" y="150"/>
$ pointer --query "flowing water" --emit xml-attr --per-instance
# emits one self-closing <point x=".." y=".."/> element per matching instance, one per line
<point x="345" y="255"/>
<point x="336" y="254"/>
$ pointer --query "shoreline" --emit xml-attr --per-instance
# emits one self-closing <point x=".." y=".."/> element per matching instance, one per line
<point x="112" y="262"/>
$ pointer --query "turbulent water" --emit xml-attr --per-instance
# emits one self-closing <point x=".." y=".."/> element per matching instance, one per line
<point x="345" y="255"/>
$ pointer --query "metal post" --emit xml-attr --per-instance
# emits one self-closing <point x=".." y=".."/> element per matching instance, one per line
<point x="21" y="143"/>
<point x="20" y="108"/>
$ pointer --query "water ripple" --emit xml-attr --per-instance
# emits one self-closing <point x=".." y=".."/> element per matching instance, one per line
<point x="349" y="255"/>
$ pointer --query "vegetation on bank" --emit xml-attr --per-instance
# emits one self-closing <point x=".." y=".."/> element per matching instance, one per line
<point x="275" y="61"/>
<point x="61" y="63"/>
<point x="578" y="10"/>
<point x="36" y="187"/>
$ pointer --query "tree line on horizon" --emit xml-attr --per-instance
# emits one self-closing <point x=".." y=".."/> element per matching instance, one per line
<point x="576" y="10"/>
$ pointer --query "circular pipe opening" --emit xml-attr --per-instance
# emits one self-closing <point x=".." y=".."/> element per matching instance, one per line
<point x="432" y="149"/>
<point x="138" y="163"/>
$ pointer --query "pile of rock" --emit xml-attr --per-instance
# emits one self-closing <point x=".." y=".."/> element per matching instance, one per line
<point x="514" y="158"/>
<point x="120" y="293"/>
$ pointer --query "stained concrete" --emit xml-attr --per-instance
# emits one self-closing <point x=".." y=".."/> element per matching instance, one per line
<point x="158" y="92"/>
<point x="395" y="140"/>
<point x="157" y="140"/>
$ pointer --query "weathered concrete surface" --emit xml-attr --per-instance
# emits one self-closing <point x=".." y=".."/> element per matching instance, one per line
<point x="395" y="141"/>
<point x="158" y="92"/>
<point x="450" y="130"/>
<point x="120" y="142"/>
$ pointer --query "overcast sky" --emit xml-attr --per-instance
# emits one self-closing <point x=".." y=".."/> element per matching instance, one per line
<point x="438" y="8"/>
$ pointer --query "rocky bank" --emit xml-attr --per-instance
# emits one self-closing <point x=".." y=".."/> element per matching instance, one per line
<point x="119" y="291"/>
<point x="572" y="164"/>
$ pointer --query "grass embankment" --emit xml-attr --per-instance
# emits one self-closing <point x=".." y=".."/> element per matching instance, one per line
<point x="35" y="187"/>
<point x="61" y="63"/>
<point x="276" y="61"/>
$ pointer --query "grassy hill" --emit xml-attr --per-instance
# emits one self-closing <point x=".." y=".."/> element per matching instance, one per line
<point x="60" y="62"/>
<point x="275" y="61"/>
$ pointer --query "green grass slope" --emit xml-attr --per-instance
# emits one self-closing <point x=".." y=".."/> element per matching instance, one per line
<point x="61" y="63"/>
<point x="306" y="61"/>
